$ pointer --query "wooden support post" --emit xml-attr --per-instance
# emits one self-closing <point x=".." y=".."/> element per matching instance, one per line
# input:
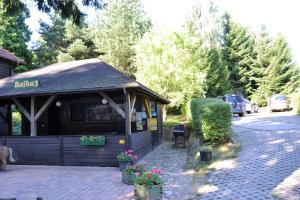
<point x="32" y="117"/>
<point x="148" y="111"/>
<point x="127" y="113"/>
<point x="8" y="124"/>
<point x="32" y="114"/>
<point x="132" y="102"/>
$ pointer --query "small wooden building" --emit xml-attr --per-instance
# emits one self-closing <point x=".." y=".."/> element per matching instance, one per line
<point x="61" y="103"/>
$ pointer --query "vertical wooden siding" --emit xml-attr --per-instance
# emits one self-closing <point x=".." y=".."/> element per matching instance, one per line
<point x="141" y="143"/>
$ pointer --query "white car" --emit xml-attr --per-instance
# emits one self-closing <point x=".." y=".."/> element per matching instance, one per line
<point x="278" y="102"/>
<point x="248" y="106"/>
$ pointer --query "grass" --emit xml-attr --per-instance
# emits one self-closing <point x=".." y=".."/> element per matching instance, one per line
<point x="16" y="123"/>
<point x="173" y="120"/>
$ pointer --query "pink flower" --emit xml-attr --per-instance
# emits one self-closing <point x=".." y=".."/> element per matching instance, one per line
<point x="135" y="157"/>
<point x="144" y="163"/>
<point x="137" y="174"/>
<point x="155" y="171"/>
<point x="130" y="151"/>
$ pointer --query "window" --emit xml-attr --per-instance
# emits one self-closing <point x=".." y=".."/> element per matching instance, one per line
<point x="82" y="112"/>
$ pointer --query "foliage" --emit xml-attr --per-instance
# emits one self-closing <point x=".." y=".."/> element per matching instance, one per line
<point x="203" y="28"/>
<point x="173" y="120"/>
<point x="215" y="120"/>
<point x="196" y="105"/>
<point x="66" y="9"/>
<point x="14" y="33"/>
<point x="138" y="169"/>
<point x="281" y="75"/>
<point x="16" y="123"/>
<point x="63" y="41"/>
<point x="205" y="148"/>
<point x="168" y="64"/>
<point x="123" y="23"/>
<point x="211" y="118"/>
<point x="238" y="48"/>
<point x="295" y="102"/>
<point x="92" y="140"/>
<point x="126" y="156"/>
<point x="149" y="179"/>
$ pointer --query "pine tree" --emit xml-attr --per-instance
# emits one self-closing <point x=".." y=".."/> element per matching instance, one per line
<point x="122" y="25"/>
<point x="14" y="33"/>
<point x="238" y="52"/>
<point x="282" y="75"/>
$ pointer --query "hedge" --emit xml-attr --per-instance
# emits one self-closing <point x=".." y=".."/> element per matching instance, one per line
<point x="211" y="118"/>
<point x="295" y="102"/>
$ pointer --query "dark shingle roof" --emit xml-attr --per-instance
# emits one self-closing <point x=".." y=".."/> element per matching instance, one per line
<point x="6" y="55"/>
<point x="74" y="76"/>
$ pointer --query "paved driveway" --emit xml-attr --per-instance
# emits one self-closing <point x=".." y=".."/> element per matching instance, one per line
<point x="268" y="166"/>
<point x="63" y="183"/>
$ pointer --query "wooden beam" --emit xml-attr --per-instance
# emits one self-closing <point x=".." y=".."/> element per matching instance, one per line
<point x="132" y="102"/>
<point x="44" y="107"/>
<point x="32" y="114"/>
<point x="3" y="117"/>
<point x="113" y="104"/>
<point x="23" y="110"/>
<point x="127" y="114"/>
<point x="147" y="107"/>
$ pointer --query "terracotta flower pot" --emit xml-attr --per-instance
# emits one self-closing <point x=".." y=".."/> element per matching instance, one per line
<point x="141" y="192"/>
<point x="123" y="165"/>
<point x="128" y="178"/>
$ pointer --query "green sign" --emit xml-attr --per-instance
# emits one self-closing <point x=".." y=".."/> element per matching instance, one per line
<point x="26" y="83"/>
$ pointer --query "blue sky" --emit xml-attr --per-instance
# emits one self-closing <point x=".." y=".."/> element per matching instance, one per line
<point x="279" y="16"/>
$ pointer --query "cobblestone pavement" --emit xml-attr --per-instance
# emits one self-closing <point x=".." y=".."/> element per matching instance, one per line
<point x="178" y="183"/>
<point x="268" y="166"/>
<point x="63" y="183"/>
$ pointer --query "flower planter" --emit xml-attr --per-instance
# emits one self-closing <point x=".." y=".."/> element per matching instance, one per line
<point x="128" y="178"/>
<point x="92" y="140"/>
<point x="206" y="156"/>
<point x="141" y="192"/>
<point x="123" y="165"/>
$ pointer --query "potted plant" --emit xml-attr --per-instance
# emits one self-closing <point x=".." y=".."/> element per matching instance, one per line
<point x="92" y="140"/>
<point x="131" y="172"/>
<point x="148" y="186"/>
<point x="206" y="153"/>
<point x="125" y="159"/>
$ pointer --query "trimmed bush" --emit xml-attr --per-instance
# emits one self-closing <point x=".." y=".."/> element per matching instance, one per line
<point x="295" y="102"/>
<point x="215" y="120"/>
<point x="195" y="106"/>
<point x="211" y="118"/>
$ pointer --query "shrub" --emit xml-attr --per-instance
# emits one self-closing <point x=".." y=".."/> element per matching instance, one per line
<point x="126" y="156"/>
<point x="196" y="105"/>
<point x="215" y="121"/>
<point x="295" y="103"/>
<point x="149" y="179"/>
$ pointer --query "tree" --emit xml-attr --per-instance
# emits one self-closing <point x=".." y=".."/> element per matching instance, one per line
<point x="282" y="75"/>
<point x="204" y="30"/>
<point x="15" y="34"/>
<point x="123" y="24"/>
<point x="65" y="8"/>
<point x="167" y="66"/>
<point x="63" y="41"/>
<point x="238" y="48"/>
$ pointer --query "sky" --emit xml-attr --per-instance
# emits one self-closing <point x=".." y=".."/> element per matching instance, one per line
<point x="279" y="16"/>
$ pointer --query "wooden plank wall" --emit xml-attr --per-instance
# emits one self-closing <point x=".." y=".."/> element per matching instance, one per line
<point x="64" y="150"/>
<point x="141" y="143"/>
<point x="75" y="154"/>
<point x="1" y="140"/>
<point x="35" y="150"/>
